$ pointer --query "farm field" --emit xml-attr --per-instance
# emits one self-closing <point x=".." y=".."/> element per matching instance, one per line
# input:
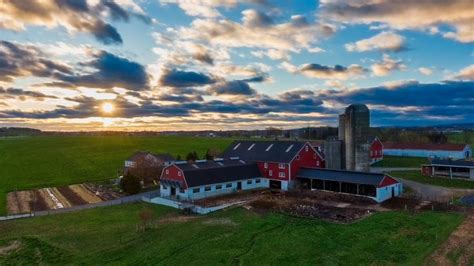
<point x="436" y="181"/>
<point x="47" y="161"/>
<point x="398" y="161"/>
<point x="233" y="236"/>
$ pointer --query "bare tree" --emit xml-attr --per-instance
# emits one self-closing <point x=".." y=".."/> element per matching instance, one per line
<point x="148" y="169"/>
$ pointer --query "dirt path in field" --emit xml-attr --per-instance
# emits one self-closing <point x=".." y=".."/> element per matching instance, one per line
<point x="459" y="248"/>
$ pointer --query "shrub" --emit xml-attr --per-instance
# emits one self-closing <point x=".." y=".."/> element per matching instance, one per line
<point x="130" y="184"/>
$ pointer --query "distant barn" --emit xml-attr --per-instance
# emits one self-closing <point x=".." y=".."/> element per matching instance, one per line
<point x="448" y="150"/>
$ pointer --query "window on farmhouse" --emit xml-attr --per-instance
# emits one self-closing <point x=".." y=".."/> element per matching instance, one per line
<point x="257" y="181"/>
<point x="306" y="148"/>
<point x="196" y="190"/>
<point x="167" y="171"/>
<point x="270" y="173"/>
<point x="228" y="185"/>
<point x="219" y="187"/>
<point x="179" y="173"/>
<point x="249" y="182"/>
<point x="265" y="165"/>
<point x="281" y="166"/>
<point x="297" y="157"/>
<point x="207" y="189"/>
<point x="281" y="174"/>
<point x="181" y="190"/>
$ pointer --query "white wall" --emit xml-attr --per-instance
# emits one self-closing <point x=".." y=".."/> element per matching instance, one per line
<point x="425" y="153"/>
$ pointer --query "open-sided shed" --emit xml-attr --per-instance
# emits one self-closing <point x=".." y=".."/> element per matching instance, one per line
<point x="379" y="187"/>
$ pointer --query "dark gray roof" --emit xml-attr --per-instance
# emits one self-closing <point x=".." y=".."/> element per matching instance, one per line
<point x="222" y="174"/>
<point x="458" y="163"/>
<point x="266" y="151"/>
<point x="208" y="164"/>
<point x="341" y="176"/>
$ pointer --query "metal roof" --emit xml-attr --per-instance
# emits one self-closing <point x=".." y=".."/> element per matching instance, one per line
<point x="208" y="164"/>
<point x="267" y="151"/>
<point x="457" y="163"/>
<point x="222" y="174"/>
<point x="424" y="146"/>
<point x="341" y="176"/>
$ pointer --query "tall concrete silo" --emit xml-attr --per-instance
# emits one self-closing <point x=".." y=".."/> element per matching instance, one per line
<point x="356" y="132"/>
<point x="342" y="138"/>
<point x="334" y="153"/>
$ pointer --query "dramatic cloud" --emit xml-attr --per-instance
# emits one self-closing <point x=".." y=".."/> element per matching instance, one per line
<point x="425" y="71"/>
<point x="384" y="41"/>
<point x="207" y="8"/>
<point x="326" y="72"/>
<point x="109" y="71"/>
<point x="178" y="78"/>
<point x="466" y="73"/>
<point x="74" y="15"/>
<point x="258" y="31"/>
<point x="17" y="60"/>
<point x="23" y="94"/>
<point x="426" y="15"/>
<point x="386" y="66"/>
<point x="235" y="87"/>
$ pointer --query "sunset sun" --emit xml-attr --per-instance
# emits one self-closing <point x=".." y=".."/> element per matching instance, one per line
<point x="108" y="108"/>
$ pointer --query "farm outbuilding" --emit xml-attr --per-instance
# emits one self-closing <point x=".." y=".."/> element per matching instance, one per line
<point x="203" y="179"/>
<point x="379" y="187"/>
<point x="450" y="168"/>
<point x="448" y="150"/>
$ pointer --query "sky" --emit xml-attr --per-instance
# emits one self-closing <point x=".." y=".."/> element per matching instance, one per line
<point x="130" y="65"/>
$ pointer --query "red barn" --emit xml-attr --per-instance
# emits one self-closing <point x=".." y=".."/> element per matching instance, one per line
<point x="375" y="150"/>
<point x="279" y="161"/>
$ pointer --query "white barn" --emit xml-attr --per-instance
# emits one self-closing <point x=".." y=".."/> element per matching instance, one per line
<point x="448" y="150"/>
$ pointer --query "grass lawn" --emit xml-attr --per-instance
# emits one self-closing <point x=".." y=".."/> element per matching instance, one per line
<point x="437" y="181"/>
<point x="233" y="236"/>
<point x="399" y="161"/>
<point x="35" y="162"/>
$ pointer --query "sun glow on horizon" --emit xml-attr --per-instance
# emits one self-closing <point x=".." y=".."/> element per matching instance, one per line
<point x="108" y="108"/>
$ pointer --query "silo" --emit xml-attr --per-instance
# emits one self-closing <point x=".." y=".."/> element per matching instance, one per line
<point x="333" y="153"/>
<point x="357" y="123"/>
<point x="341" y="136"/>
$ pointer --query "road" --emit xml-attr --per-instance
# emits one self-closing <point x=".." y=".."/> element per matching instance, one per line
<point x="389" y="169"/>
<point x="436" y="193"/>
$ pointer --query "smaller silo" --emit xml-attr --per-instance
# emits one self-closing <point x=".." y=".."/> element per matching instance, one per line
<point x="333" y="153"/>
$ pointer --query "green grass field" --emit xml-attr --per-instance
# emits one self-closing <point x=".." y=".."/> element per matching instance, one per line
<point x="233" y="236"/>
<point x="36" y="162"/>
<point x="437" y="181"/>
<point x="398" y="161"/>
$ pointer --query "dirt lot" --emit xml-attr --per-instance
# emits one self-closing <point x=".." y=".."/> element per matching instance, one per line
<point x="57" y="198"/>
<point x="309" y="205"/>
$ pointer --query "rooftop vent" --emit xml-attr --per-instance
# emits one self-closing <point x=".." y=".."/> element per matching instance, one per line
<point x="289" y="148"/>
<point x="269" y="147"/>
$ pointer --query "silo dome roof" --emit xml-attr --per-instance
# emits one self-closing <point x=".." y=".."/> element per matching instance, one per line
<point x="357" y="108"/>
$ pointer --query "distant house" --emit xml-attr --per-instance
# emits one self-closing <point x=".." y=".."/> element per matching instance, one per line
<point x="375" y="149"/>
<point x="448" y="150"/>
<point x="202" y="179"/>
<point x="279" y="161"/>
<point x="449" y="168"/>
<point x="159" y="160"/>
